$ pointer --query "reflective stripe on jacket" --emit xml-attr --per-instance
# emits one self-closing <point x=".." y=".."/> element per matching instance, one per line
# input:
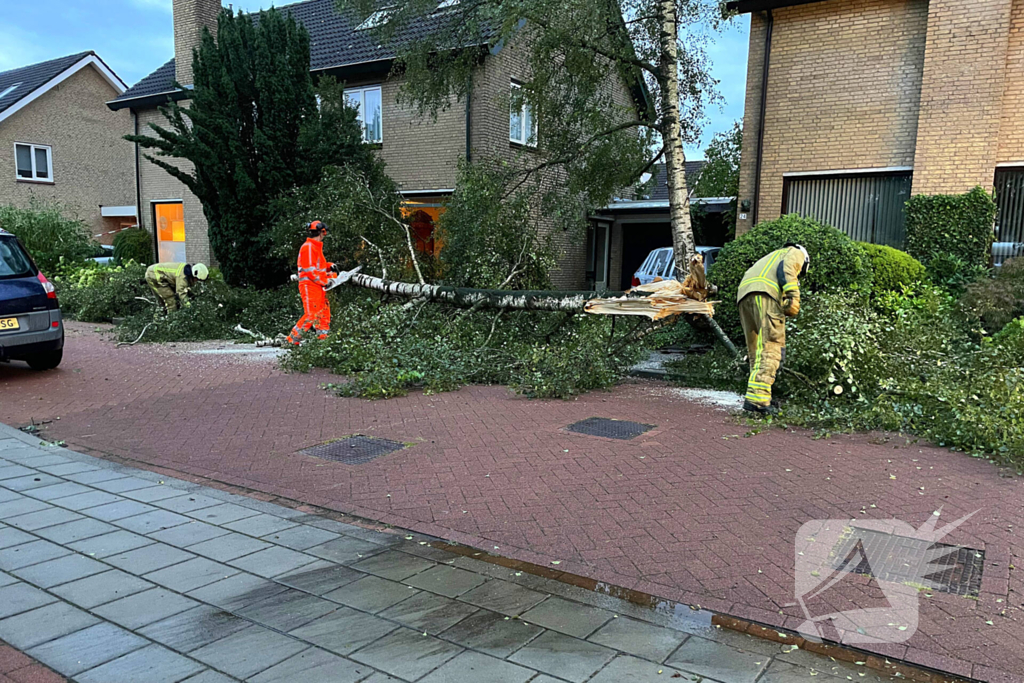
<point x="171" y="275"/>
<point x="313" y="267"/>
<point x="776" y="275"/>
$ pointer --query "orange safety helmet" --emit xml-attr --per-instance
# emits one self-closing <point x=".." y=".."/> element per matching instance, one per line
<point x="316" y="228"/>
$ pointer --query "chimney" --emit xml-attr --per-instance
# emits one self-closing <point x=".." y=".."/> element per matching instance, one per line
<point x="190" y="18"/>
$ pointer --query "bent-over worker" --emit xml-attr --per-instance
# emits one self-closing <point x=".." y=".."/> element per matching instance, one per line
<point x="172" y="281"/>
<point x="314" y="273"/>
<point x="769" y="293"/>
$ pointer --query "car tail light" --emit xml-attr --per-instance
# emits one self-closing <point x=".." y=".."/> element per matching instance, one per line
<point x="636" y="281"/>
<point x="51" y="293"/>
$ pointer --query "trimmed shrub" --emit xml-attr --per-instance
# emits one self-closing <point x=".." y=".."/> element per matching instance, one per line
<point x="837" y="262"/>
<point x="49" y="236"/>
<point x="133" y="245"/>
<point x="960" y="226"/>
<point x="96" y="293"/>
<point x="892" y="269"/>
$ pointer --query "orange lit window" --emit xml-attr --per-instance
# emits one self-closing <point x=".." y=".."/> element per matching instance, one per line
<point x="170" y="222"/>
<point x="423" y="217"/>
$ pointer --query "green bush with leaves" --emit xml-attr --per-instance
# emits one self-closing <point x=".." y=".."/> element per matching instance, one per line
<point x="95" y="293"/>
<point x="892" y="270"/>
<point x="837" y="262"/>
<point x="135" y="245"/>
<point x="994" y="302"/>
<point x="957" y="226"/>
<point x="386" y="350"/>
<point x="50" y="236"/>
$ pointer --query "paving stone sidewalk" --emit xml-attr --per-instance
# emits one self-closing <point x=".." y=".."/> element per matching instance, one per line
<point x="110" y="574"/>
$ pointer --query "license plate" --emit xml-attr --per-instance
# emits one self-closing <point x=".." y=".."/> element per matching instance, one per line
<point x="8" y="324"/>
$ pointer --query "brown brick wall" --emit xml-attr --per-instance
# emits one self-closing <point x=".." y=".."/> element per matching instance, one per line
<point x="190" y="18"/>
<point x="962" y="91"/>
<point x="843" y="91"/>
<point x="157" y="184"/>
<point x="92" y="163"/>
<point x="1011" y="133"/>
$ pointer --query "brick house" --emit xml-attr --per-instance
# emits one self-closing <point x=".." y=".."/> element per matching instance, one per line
<point x="421" y="153"/>
<point x="854" y="105"/>
<point x="58" y="141"/>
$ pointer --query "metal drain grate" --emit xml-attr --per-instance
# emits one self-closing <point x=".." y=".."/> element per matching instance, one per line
<point x="610" y="429"/>
<point x="937" y="566"/>
<point x="354" y="450"/>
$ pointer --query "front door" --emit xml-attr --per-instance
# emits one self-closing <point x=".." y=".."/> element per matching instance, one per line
<point x="170" y="231"/>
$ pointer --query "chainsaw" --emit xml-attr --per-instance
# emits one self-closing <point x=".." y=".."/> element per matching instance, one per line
<point x="341" y="279"/>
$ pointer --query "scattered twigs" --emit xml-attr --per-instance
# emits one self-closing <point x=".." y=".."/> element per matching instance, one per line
<point x="380" y="255"/>
<point x="494" y="326"/>
<point x="148" y="301"/>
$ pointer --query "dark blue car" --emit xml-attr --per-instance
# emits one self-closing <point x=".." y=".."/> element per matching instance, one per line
<point x="31" y="328"/>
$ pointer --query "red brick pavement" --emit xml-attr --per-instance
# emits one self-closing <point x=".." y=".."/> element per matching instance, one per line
<point x="16" y="667"/>
<point x="691" y="511"/>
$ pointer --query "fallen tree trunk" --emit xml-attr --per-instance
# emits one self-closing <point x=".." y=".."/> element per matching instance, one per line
<point x="495" y="299"/>
<point x="528" y="300"/>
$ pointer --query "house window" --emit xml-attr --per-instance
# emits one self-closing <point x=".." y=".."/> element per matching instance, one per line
<point x="522" y="124"/>
<point x="367" y="103"/>
<point x="1009" y="238"/>
<point x="170" y="231"/>
<point x="869" y="207"/>
<point x="33" y="162"/>
<point x="8" y="90"/>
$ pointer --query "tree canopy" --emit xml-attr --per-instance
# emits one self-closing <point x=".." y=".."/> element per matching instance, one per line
<point x="254" y="127"/>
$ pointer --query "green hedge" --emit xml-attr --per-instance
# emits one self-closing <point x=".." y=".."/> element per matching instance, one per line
<point x="133" y="245"/>
<point x="893" y="270"/>
<point x="55" y="241"/>
<point x="837" y="262"/>
<point x="957" y="226"/>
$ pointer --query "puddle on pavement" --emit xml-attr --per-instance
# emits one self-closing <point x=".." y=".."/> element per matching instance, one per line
<point x="678" y="616"/>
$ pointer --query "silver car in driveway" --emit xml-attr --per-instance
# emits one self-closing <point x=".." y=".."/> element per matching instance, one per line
<point x="659" y="263"/>
<point x="31" y="327"/>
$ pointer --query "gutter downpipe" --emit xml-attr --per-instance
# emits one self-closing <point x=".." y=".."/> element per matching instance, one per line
<point x="469" y="118"/>
<point x="138" y="189"/>
<point x="760" y="126"/>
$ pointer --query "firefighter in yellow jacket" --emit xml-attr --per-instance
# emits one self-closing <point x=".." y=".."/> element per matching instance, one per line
<point x="171" y="281"/>
<point x="769" y="293"/>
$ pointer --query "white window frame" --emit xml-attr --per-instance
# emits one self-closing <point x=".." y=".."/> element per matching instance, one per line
<point x="523" y="139"/>
<point x="361" y="92"/>
<point x="32" y="157"/>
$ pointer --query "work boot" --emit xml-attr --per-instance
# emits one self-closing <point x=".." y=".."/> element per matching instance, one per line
<point x="760" y="410"/>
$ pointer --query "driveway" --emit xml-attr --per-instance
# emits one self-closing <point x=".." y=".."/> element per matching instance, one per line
<point x="695" y="510"/>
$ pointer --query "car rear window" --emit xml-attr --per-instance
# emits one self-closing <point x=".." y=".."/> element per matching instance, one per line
<point x="14" y="262"/>
<point x="661" y="260"/>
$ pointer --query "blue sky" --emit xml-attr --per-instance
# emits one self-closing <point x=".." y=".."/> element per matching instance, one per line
<point x="134" y="37"/>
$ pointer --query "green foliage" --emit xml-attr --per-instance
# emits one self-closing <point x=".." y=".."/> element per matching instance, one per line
<point x="345" y="199"/>
<point x="837" y="262"/>
<point x="97" y="293"/>
<point x="213" y="313"/>
<point x="994" y="302"/>
<point x="387" y="350"/>
<point x="720" y="177"/>
<point x="133" y="245"/>
<point x="490" y="240"/>
<point x="950" y="234"/>
<point x="253" y="130"/>
<point x="892" y="269"/>
<point x="48" y="235"/>
<point x="953" y="273"/>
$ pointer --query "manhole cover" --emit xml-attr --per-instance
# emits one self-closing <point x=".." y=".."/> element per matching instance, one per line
<point x="899" y="559"/>
<point x="610" y="429"/>
<point x="354" y="450"/>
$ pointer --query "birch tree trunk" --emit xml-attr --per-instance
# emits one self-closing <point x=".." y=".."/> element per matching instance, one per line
<point x="671" y="132"/>
<point x="495" y="299"/>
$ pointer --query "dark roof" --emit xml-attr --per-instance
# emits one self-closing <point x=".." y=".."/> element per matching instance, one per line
<point x="660" y="190"/>
<point x="333" y="42"/>
<point x="29" y="78"/>
<point x="745" y="6"/>
<point x="159" y="82"/>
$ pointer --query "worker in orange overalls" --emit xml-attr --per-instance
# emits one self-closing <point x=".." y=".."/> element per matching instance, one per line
<point x="314" y="273"/>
